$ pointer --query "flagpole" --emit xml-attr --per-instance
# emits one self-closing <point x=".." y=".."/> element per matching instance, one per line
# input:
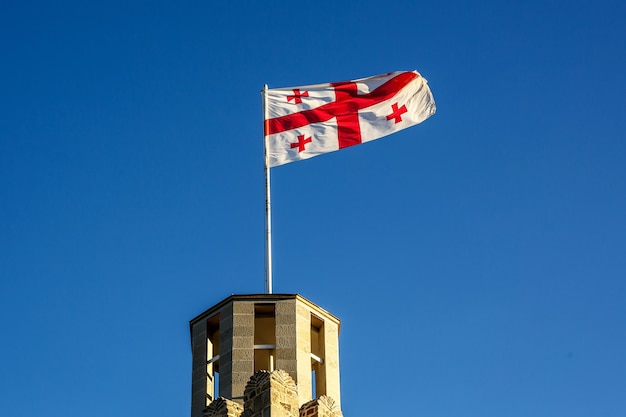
<point x="268" y="205"/>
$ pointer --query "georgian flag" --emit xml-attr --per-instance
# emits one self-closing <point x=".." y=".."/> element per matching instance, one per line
<point x="303" y="122"/>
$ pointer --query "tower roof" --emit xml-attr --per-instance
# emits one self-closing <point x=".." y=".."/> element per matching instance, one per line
<point x="263" y="298"/>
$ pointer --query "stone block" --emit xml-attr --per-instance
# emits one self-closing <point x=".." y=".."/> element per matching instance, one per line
<point x="241" y="378"/>
<point x="324" y="406"/>
<point x="286" y="342"/>
<point x="244" y="330"/>
<point x="289" y="353"/>
<point x="198" y="327"/>
<point x="226" y="383"/>
<point x="289" y="319"/>
<point x="243" y="366"/>
<point x="223" y="407"/>
<point x="237" y="340"/>
<point x="286" y="330"/>
<point x="244" y="354"/>
<point x="226" y="335"/>
<point x="243" y="307"/>
<point x="199" y="351"/>
<point x="198" y="401"/>
<point x="285" y="307"/>
<point x="199" y="337"/>
<point x="226" y="320"/>
<point x="289" y="365"/>
<point x="198" y="378"/>
<point x="225" y="357"/>
<point x="303" y="312"/>
<point x="243" y="320"/>
<point x="199" y="388"/>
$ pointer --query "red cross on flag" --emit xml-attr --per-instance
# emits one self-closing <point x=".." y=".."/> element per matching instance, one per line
<point x="303" y="122"/>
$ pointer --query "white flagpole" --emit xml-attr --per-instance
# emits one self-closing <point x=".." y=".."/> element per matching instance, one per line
<point x="268" y="206"/>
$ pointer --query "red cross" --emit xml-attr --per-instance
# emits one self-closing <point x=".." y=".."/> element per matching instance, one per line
<point x="397" y="113"/>
<point x="301" y="143"/>
<point x="348" y="127"/>
<point x="345" y="108"/>
<point x="296" y="96"/>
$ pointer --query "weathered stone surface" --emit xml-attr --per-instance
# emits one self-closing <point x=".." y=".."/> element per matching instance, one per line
<point x="323" y="406"/>
<point x="243" y="366"/>
<point x="285" y="350"/>
<point x="243" y="354"/>
<point x="223" y="407"/>
<point x="272" y="394"/>
<point x="286" y="330"/>
<point x="286" y="307"/>
<point x="244" y="329"/>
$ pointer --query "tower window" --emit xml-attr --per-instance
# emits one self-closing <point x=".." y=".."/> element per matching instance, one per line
<point x="264" y="336"/>
<point x="213" y="358"/>
<point x="318" y="367"/>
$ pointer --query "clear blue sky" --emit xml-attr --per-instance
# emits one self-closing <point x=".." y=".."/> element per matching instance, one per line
<point x="478" y="260"/>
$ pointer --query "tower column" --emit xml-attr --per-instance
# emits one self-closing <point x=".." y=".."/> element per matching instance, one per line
<point x="237" y="349"/>
<point x="331" y="347"/>
<point x="303" y="353"/>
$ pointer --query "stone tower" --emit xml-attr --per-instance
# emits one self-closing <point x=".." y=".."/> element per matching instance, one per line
<point x="265" y="355"/>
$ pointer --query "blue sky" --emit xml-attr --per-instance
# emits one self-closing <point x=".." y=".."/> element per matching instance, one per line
<point x="478" y="260"/>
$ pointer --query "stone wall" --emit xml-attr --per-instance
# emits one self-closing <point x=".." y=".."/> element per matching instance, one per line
<point x="272" y="394"/>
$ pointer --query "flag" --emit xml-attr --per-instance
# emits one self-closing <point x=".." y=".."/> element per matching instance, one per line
<point x="303" y="122"/>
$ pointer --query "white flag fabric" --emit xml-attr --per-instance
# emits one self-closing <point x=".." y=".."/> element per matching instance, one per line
<point x="303" y="122"/>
